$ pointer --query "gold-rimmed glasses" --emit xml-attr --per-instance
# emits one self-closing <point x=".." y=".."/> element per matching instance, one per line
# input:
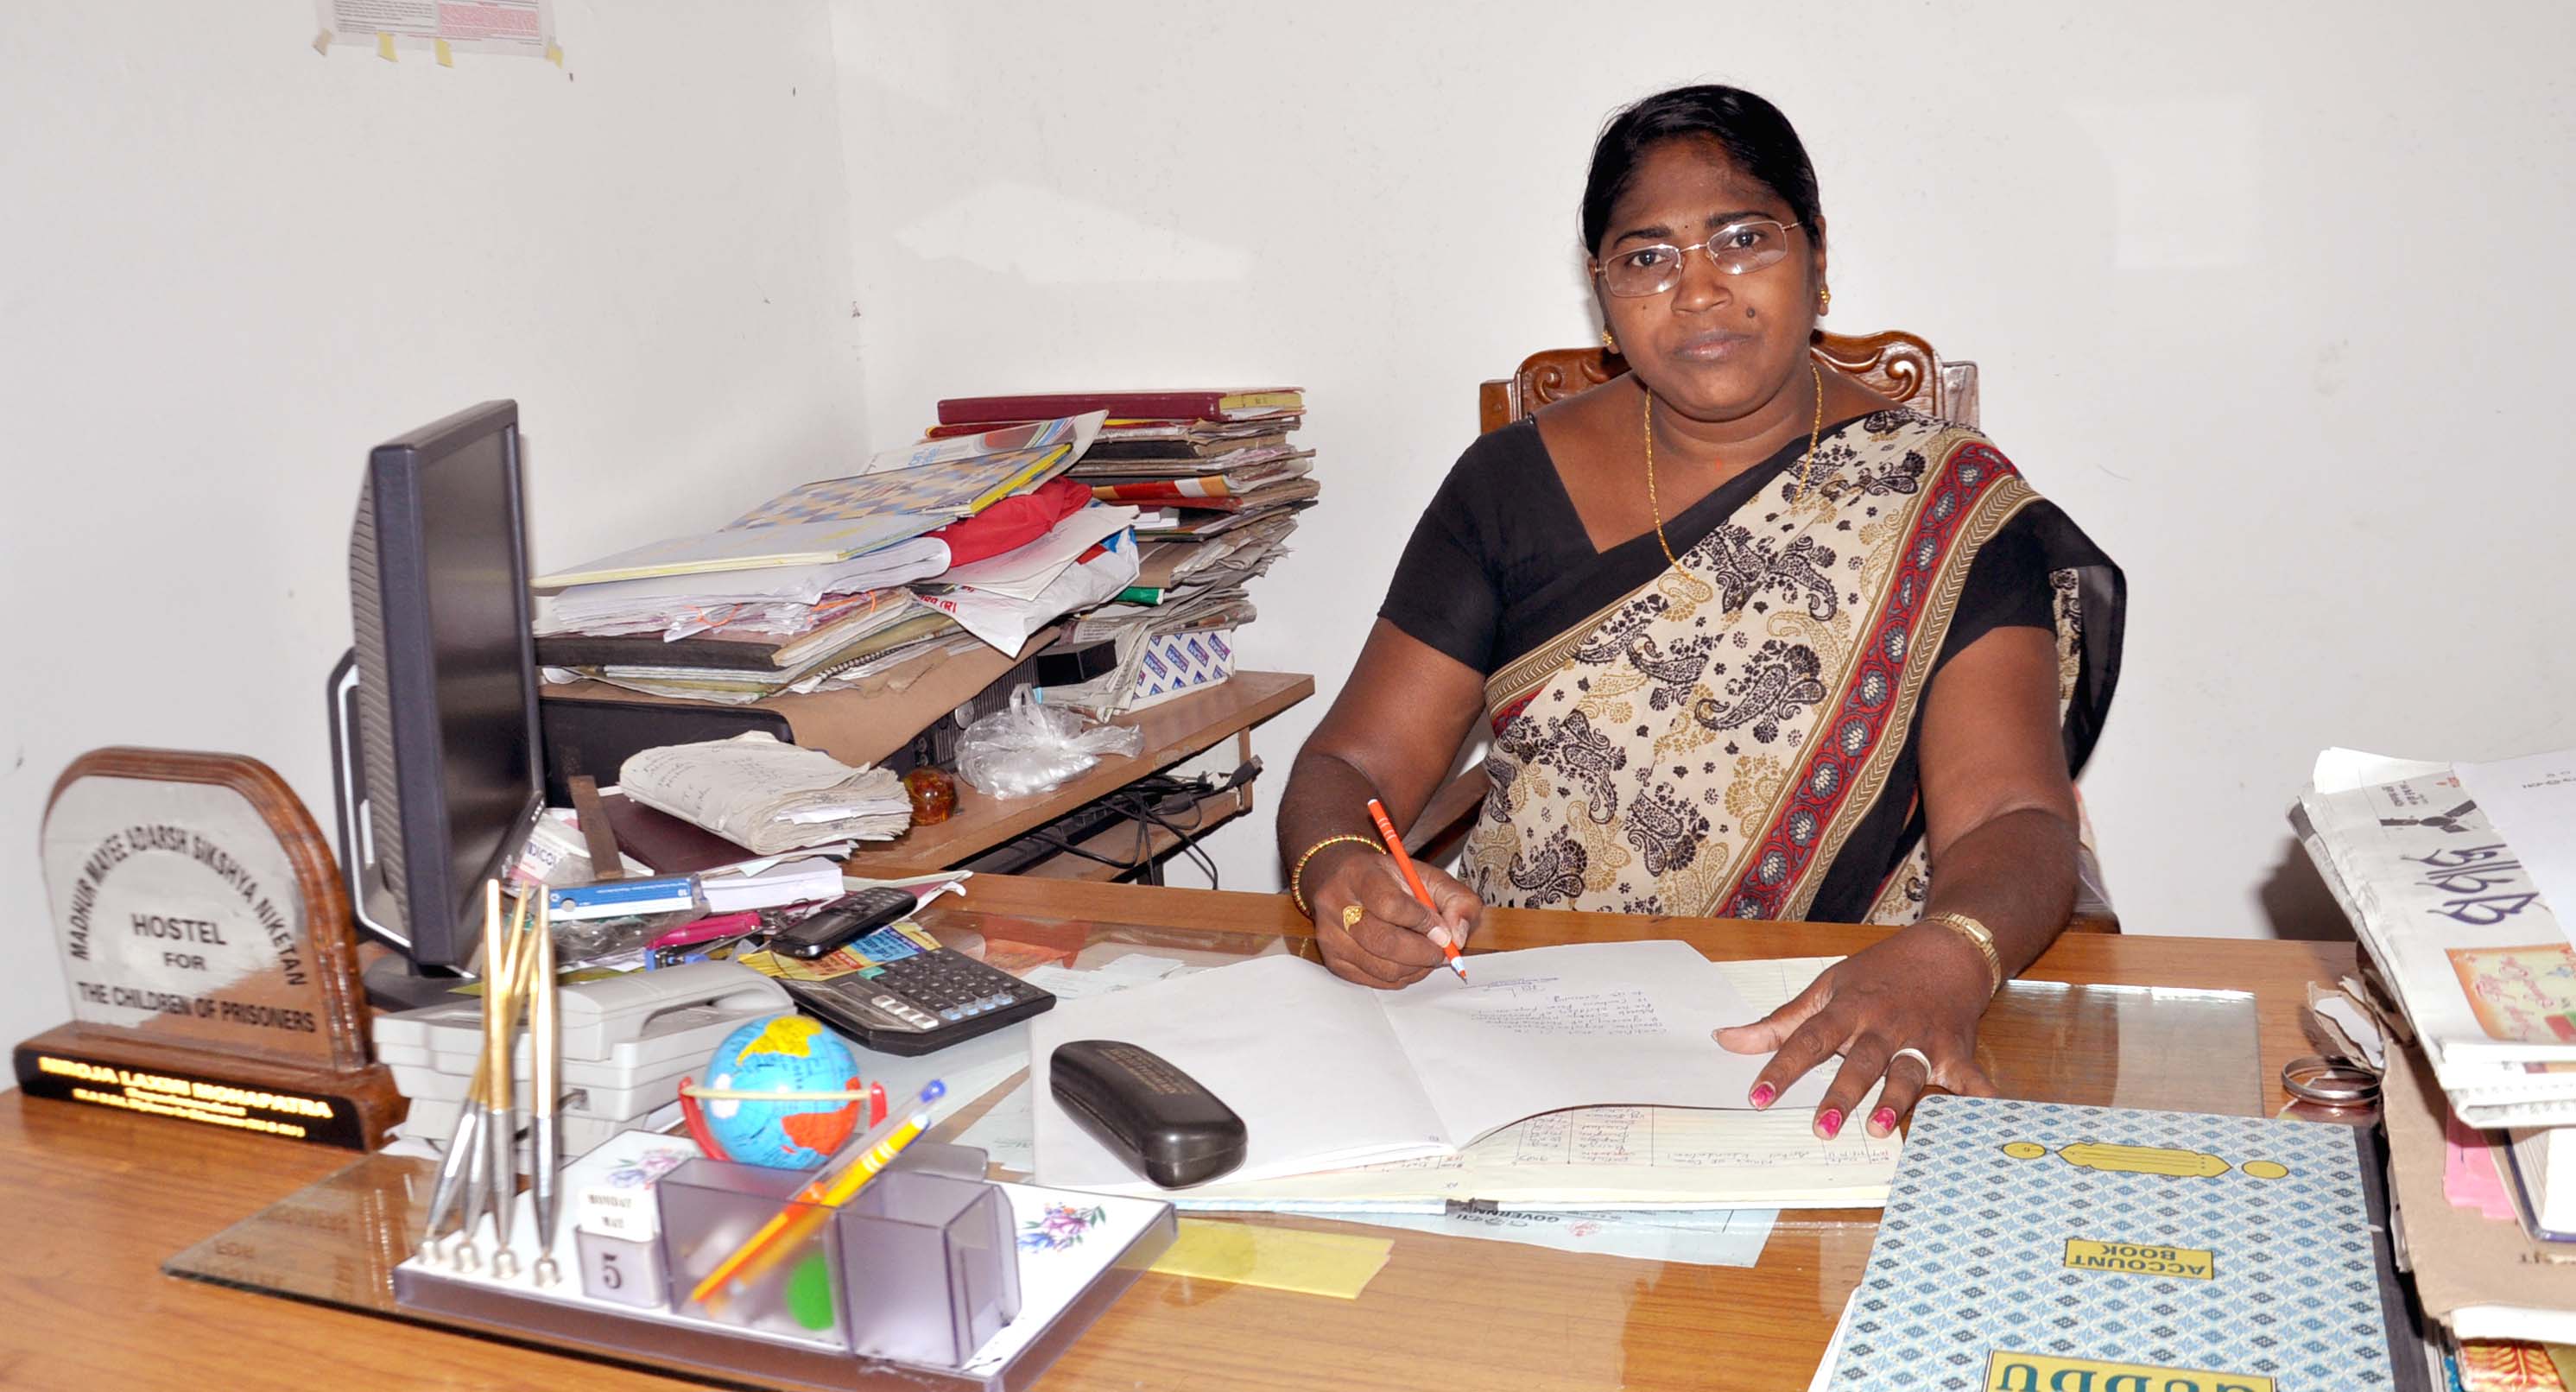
<point x="1738" y="248"/>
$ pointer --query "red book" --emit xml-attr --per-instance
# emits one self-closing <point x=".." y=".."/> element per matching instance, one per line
<point x="1193" y="404"/>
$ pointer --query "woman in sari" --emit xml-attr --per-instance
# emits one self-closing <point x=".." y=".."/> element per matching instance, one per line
<point x="1751" y="640"/>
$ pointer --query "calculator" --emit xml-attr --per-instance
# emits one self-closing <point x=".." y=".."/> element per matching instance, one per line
<point x="914" y="996"/>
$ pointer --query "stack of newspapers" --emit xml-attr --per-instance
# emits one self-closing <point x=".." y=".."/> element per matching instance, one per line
<point x="2445" y="871"/>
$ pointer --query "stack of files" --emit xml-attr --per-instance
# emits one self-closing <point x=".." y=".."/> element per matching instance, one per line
<point x="854" y="635"/>
<point x="838" y="519"/>
<point x="825" y="584"/>
<point x="1207" y="461"/>
<point x="2479" y="1267"/>
<point x="1083" y="559"/>
<point x="1213" y="486"/>
<point x="1258" y="479"/>
<point x="1447" y="1092"/>
<point x="1171" y="572"/>
<point x="627" y="1042"/>
<point x="2455" y="912"/>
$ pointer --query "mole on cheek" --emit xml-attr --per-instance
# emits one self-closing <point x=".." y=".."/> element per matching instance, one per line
<point x="1748" y="312"/>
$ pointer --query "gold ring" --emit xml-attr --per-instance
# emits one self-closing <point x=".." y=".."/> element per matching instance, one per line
<point x="1351" y="916"/>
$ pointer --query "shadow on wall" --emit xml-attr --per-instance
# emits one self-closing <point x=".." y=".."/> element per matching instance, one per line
<point x="2296" y="902"/>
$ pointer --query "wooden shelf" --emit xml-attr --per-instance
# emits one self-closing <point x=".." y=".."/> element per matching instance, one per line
<point x="1119" y="842"/>
<point x="1174" y="731"/>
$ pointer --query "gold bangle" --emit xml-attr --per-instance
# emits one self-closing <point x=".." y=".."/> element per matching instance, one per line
<point x="1297" y="892"/>
<point x="1979" y="934"/>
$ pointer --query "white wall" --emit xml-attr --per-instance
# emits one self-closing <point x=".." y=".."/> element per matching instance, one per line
<point x="2269" y="297"/>
<point x="229" y="265"/>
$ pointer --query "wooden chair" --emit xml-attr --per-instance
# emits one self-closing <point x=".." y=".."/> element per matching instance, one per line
<point x="1895" y="364"/>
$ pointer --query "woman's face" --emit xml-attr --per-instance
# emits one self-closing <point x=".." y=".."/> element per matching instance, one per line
<point x="1716" y="346"/>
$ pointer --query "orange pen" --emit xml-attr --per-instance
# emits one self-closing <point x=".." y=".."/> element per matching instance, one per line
<point x="1412" y="879"/>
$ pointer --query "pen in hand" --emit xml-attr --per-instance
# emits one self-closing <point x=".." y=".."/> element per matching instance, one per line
<point x="1413" y="880"/>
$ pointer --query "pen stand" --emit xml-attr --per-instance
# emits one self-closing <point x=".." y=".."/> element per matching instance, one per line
<point x="933" y="1266"/>
<point x="921" y="1266"/>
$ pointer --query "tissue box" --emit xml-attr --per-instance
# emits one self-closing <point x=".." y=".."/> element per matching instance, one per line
<point x="1176" y="664"/>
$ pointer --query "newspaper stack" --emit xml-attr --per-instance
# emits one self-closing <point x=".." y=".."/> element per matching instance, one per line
<point x="767" y="796"/>
<point x="2456" y="918"/>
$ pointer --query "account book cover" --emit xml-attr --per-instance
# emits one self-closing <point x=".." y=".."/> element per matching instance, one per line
<point x="2034" y="1246"/>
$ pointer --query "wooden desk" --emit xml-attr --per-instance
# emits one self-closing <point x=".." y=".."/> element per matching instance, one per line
<point x="1173" y="731"/>
<point x="92" y="1202"/>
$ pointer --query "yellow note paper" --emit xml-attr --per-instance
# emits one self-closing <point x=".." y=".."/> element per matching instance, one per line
<point x="446" y="55"/>
<point x="385" y="46"/>
<point x="1281" y="1258"/>
<point x="554" y="53"/>
<point x="2563" y="1358"/>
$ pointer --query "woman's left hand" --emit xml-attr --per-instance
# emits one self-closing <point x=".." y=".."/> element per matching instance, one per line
<point x="1924" y="988"/>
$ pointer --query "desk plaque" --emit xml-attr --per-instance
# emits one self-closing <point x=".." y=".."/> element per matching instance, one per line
<point x="206" y="938"/>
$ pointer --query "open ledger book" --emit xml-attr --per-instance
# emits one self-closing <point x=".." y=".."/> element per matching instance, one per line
<point x="1329" y="1076"/>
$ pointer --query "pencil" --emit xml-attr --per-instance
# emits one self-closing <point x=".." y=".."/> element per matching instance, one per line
<point x="841" y="1178"/>
<point x="1412" y="878"/>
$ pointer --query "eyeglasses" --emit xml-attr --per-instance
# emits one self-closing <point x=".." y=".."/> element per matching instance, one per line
<point x="1736" y="249"/>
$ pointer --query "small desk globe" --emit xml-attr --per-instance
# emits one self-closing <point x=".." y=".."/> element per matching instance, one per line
<point x="782" y="1054"/>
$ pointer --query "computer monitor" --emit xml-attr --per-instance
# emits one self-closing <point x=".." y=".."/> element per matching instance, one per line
<point x="436" y="765"/>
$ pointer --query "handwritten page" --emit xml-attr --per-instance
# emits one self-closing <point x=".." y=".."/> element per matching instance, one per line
<point x="1576" y="1025"/>
<point x="1323" y="1071"/>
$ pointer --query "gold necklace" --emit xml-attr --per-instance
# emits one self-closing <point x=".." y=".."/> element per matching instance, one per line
<point x="1815" y="432"/>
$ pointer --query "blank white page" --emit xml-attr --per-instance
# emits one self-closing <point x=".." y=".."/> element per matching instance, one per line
<point x="1304" y="1058"/>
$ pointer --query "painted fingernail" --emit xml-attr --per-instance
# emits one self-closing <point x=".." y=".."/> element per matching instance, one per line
<point x="1883" y="1120"/>
<point x="1830" y="1122"/>
<point x="1763" y="1093"/>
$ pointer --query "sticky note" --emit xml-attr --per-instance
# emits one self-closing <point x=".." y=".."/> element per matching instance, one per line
<point x="446" y="55"/>
<point x="322" y="43"/>
<point x="554" y="53"/>
<point x="385" y="46"/>
<point x="1286" y="1259"/>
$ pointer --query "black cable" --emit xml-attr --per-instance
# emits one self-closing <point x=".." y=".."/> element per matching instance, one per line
<point x="1049" y="838"/>
<point x="1188" y="836"/>
<point x="1138" y="810"/>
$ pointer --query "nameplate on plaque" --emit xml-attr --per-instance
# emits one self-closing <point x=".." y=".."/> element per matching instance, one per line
<point x="206" y="941"/>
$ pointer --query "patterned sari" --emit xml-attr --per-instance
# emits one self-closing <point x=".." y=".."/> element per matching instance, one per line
<point x="1720" y="739"/>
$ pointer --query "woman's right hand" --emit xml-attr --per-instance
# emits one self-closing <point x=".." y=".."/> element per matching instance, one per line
<point x="1393" y="941"/>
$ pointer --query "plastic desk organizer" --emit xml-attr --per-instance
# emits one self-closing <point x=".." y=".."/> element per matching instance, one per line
<point x="931" y="1277"/>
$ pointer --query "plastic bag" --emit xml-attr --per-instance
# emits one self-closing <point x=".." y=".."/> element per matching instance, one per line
<point x="1025" y="748"/>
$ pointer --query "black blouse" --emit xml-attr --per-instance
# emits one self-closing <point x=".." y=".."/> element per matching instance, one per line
<point x="1500" y="563"/>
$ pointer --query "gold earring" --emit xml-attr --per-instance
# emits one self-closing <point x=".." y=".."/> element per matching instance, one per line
<point x="1609" y="342"/>
<point x="1824" y="299"/>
